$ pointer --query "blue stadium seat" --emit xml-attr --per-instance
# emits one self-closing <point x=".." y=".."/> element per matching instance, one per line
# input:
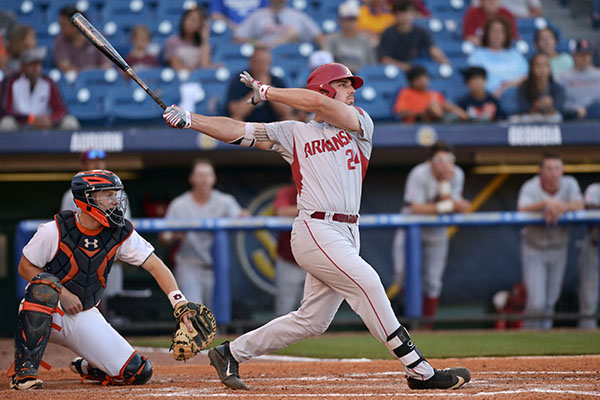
<point x="234" y="55"/>
<point x="126" y="12"/>
<point x="214" y="100"/>
<point x="130" y="104"/>
<point x="211" y="75"/>
<point x="451" y="88"/>
<point x="378" y="106"/>
<point x="161" y="80"/>
<point x="387" y="74"/>
<point x="101" y="81"/>
<point x="89" y="111"/>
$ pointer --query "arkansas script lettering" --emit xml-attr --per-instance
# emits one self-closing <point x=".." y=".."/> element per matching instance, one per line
<point x="341" y="139"/>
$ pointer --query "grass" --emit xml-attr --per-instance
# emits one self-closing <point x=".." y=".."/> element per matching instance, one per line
<point x="448" y="344"/>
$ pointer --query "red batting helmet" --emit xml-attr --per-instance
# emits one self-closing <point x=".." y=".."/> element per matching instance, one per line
<point x="84" y="183"/>
<point x="322" y="76"/>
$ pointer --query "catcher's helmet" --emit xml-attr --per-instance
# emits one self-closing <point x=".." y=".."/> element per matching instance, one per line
<point x="322" y="76"/>
<point x="85" y="183"/>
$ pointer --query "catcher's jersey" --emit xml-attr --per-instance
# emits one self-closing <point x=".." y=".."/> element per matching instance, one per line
<point x="43" y="246"/>
<point x="328" y="163"/>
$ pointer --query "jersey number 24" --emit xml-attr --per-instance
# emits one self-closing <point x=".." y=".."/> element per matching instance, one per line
<point x="352" y="159"/>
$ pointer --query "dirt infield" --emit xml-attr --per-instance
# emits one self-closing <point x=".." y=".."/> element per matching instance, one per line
<point x="273" y="378"/>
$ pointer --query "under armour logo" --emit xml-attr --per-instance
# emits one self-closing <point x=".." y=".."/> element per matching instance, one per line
<point x="88" y="243"/>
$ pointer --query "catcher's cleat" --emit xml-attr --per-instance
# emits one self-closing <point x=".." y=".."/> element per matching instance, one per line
<point x="26" y="383"/>
<point x="450" y="378"/>
<point x="227" y="367"/>
<point x="86" y="371"/>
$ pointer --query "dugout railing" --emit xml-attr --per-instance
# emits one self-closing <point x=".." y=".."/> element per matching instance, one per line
<point x="220" y="227"/>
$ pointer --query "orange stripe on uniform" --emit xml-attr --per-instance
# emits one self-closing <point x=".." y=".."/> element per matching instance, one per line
<point x="29" y="306"/>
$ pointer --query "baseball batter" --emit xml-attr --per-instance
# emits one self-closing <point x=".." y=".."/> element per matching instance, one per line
<point x="544" y="248"/>
<point x="67" y="263"/>
<point x="329" y="158"/>
<point x="432" y="187"/>
<point x="588" y="264"/>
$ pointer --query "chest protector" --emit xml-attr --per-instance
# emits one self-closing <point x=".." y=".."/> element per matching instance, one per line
<point x="83" y="261"/>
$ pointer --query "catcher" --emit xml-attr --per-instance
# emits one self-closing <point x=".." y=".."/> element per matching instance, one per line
<point x="66" y="263"/>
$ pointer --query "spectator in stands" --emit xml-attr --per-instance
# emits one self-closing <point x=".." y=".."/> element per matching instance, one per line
<point x="417" y="103"/>
<point x="30" y="98"/>
<point x="545" y="41"/>
<point x="403" y="42"/>
<point x="8" y="21"/>
<point x="479" y="104"/>
<point x="72" y="51"/>
<point x="143" y="53"/>
<point x="349" y="46"/>
<point x="22" y="38"/>
<point x="375" y="16"/>
<point x="523" y="8"/>
<point x="190" y="48"/>
<point x="234" y="12"/>
<point x="278" y="24"/>
<point x="289" y="276"/>
<point x="539" y="98"/>
<point x="193" y="258"/>
<point x="544" y="248"/>
<point x="3" y="58"/>
<point x="505" y="66"/>
<point x="238" y="94"/>
<point x="582" y="84"/>
<point x="588" y="264"/>
<point x="433" y="187"/>
<point x="476" y="17"/>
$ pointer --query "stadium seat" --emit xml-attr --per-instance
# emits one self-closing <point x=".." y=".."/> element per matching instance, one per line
<point x="88" y="107"/>
<point x="451" y="88"/>
<point x="131" y="105"/>
<point x="235" y="56"/>
<point x="101" y="81"/>
<point x="127" y="12"/>
<point x="376" y="104"/>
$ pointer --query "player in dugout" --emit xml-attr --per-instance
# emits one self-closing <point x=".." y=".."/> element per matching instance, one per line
<point x="329" y="158"/>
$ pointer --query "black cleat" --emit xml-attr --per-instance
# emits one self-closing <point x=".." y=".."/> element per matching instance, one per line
<point x="450" y="378"/>
<point x="86" y="371"/>
<point x="227" y="367"/>
<point x="26" y="383"/>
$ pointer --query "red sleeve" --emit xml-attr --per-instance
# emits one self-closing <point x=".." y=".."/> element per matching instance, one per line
<point x="56" y="102"/>
<point x="285" y="197"/>
<point x="470" y="22"/>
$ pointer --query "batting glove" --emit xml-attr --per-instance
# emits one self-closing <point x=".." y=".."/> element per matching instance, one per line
<point x="260" y="90"/>
<point x="177" y="117"/>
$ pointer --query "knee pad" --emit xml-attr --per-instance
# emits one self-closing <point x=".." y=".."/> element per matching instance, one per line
<point x="138" y="370"/>
<point x="402" y="346"/>
<point x="35" y="322"/>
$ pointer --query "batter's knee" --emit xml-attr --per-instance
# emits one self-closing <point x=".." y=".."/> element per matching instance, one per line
<point x="138" y="370"/>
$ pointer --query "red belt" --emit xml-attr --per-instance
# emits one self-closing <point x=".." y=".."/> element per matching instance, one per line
<point x="348" y="218"/>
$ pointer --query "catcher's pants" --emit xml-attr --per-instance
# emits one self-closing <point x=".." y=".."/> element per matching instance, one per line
<point x="543" y="273"/>
<point x="197" y="283"/>
<point x="89" y="335"/>
<point x="588" y="282"/>
<point x="289" y="283"/>
<point x="329" y="252"/>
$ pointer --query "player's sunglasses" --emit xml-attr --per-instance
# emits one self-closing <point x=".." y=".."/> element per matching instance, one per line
<point x="95" y="155"/>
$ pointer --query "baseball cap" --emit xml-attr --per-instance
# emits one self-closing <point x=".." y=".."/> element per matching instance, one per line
<point x="93" y="154"/>
<point x="36" y="54"/>
<point x="348" y="9"/>
<point x="582" y="46"/>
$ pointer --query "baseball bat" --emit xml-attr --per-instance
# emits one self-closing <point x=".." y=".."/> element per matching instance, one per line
<point x="99" y="41"/>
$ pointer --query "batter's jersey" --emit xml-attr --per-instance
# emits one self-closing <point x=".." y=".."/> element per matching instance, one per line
<point x="531" y="192"/>
<point x="328" y="163"/>
<point x="196" y="247"/>
<point x="43" y="246"/>
<point x="422" y="187"/>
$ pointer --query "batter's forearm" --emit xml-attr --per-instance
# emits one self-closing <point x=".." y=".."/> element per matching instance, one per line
<point x="301" y="99"/>
<point x="221" y="128"/>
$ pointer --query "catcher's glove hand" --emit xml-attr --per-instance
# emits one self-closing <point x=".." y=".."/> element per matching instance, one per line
<point x="186" y="344"/>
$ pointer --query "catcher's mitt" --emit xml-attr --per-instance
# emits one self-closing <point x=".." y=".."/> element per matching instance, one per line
<point x="186" y="344"/>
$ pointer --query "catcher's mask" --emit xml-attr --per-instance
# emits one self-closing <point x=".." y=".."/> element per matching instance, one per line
<point x="100" y="194"/>
<point x="322" y="76"/>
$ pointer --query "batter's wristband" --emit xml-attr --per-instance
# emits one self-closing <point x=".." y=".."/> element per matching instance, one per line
<point x="263" y="92"/>
<point x="175" y="297"/>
